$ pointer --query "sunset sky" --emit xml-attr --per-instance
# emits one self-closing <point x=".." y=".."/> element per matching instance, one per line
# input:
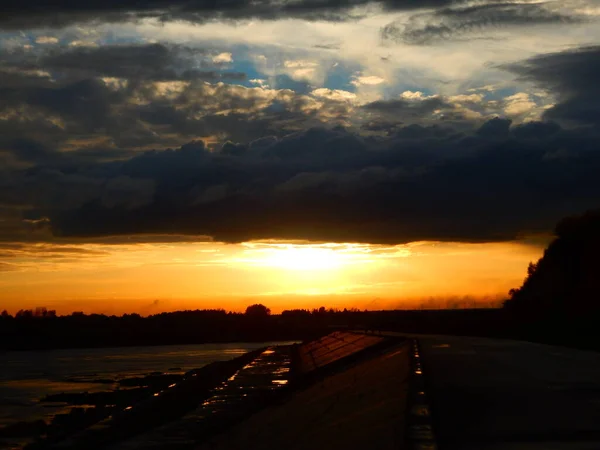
<point x="160" y="155"/>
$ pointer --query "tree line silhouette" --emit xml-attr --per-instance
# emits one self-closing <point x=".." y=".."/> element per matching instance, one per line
<point x="42" y="328"/>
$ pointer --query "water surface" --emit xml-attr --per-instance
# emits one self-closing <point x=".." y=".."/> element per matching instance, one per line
<point x="28" y="376"/>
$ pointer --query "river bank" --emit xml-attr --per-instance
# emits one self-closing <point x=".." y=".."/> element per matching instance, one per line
<point x="78" y="385"/>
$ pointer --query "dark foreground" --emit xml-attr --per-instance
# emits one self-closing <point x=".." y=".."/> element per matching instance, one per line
<point x="376" y="390"/>
<point x="361" y="407"/>
<point x="509" y="395"/>
<point x="476" y="394"/>
<point x="184" y="411"/>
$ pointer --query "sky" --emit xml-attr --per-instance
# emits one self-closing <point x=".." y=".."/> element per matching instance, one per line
<point x="159" y="155"/>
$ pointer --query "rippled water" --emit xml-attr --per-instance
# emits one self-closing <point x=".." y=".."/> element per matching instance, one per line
<point x="27" y="376"/>
<point x="269" y="371"/>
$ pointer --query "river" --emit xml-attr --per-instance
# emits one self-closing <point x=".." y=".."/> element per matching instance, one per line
<point x="28" y="376"/>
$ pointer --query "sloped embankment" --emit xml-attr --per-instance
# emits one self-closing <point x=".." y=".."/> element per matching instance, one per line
<point x="359" y="404"/>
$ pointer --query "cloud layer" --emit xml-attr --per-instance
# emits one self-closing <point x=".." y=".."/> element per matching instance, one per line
<point x="424" y="183"/>
<point x="462" y="21"/>
<point x="572" y="75"/>
<point x="113" y="136"/>
<point x="39" y="13"/>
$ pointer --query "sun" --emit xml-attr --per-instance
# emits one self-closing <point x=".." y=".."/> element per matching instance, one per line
<point x="306" y="259"/>
<point x="303" y="257"/>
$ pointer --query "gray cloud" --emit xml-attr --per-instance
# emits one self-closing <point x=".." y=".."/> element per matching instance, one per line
<point x="42" y="14"/>
<point x="454" y="23"/>
<point x="572" y="76"/>
<point x="157" y="62"/>
<point x="115" y="117"/>
<point x="496" y="127"/>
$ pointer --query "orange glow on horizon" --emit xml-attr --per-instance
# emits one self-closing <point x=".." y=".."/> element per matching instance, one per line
<point x="153" y="277"/>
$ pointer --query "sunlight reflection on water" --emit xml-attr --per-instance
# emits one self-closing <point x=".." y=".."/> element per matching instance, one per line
<point x="267" y="372"/>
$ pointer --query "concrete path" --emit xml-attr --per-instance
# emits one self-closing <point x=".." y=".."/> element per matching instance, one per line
<point x="362" y="407"/>
<point x="509" y="395"/>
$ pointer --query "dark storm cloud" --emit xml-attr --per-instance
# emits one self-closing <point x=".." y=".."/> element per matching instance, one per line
<point x="496" y="127"/>
<point x="41" y="13"/>
<point x="572" y="76"/>
<point x="34" y="152"/>
<point x="19" y="76"/>
<point x="454" y="23"/>
<point x="157" y="62"/>
<point x="38" y="120"/>
<point x="88" y="102"/>
<point x="331" y="185"/>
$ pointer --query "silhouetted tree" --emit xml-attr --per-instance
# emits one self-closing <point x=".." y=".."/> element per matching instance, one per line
<point x="24" y="314"/>
<point x="43" y="312"/>
<point x="257" y="310"/>
<point x="321" y="310"/>
<point x="565" y="279"/>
